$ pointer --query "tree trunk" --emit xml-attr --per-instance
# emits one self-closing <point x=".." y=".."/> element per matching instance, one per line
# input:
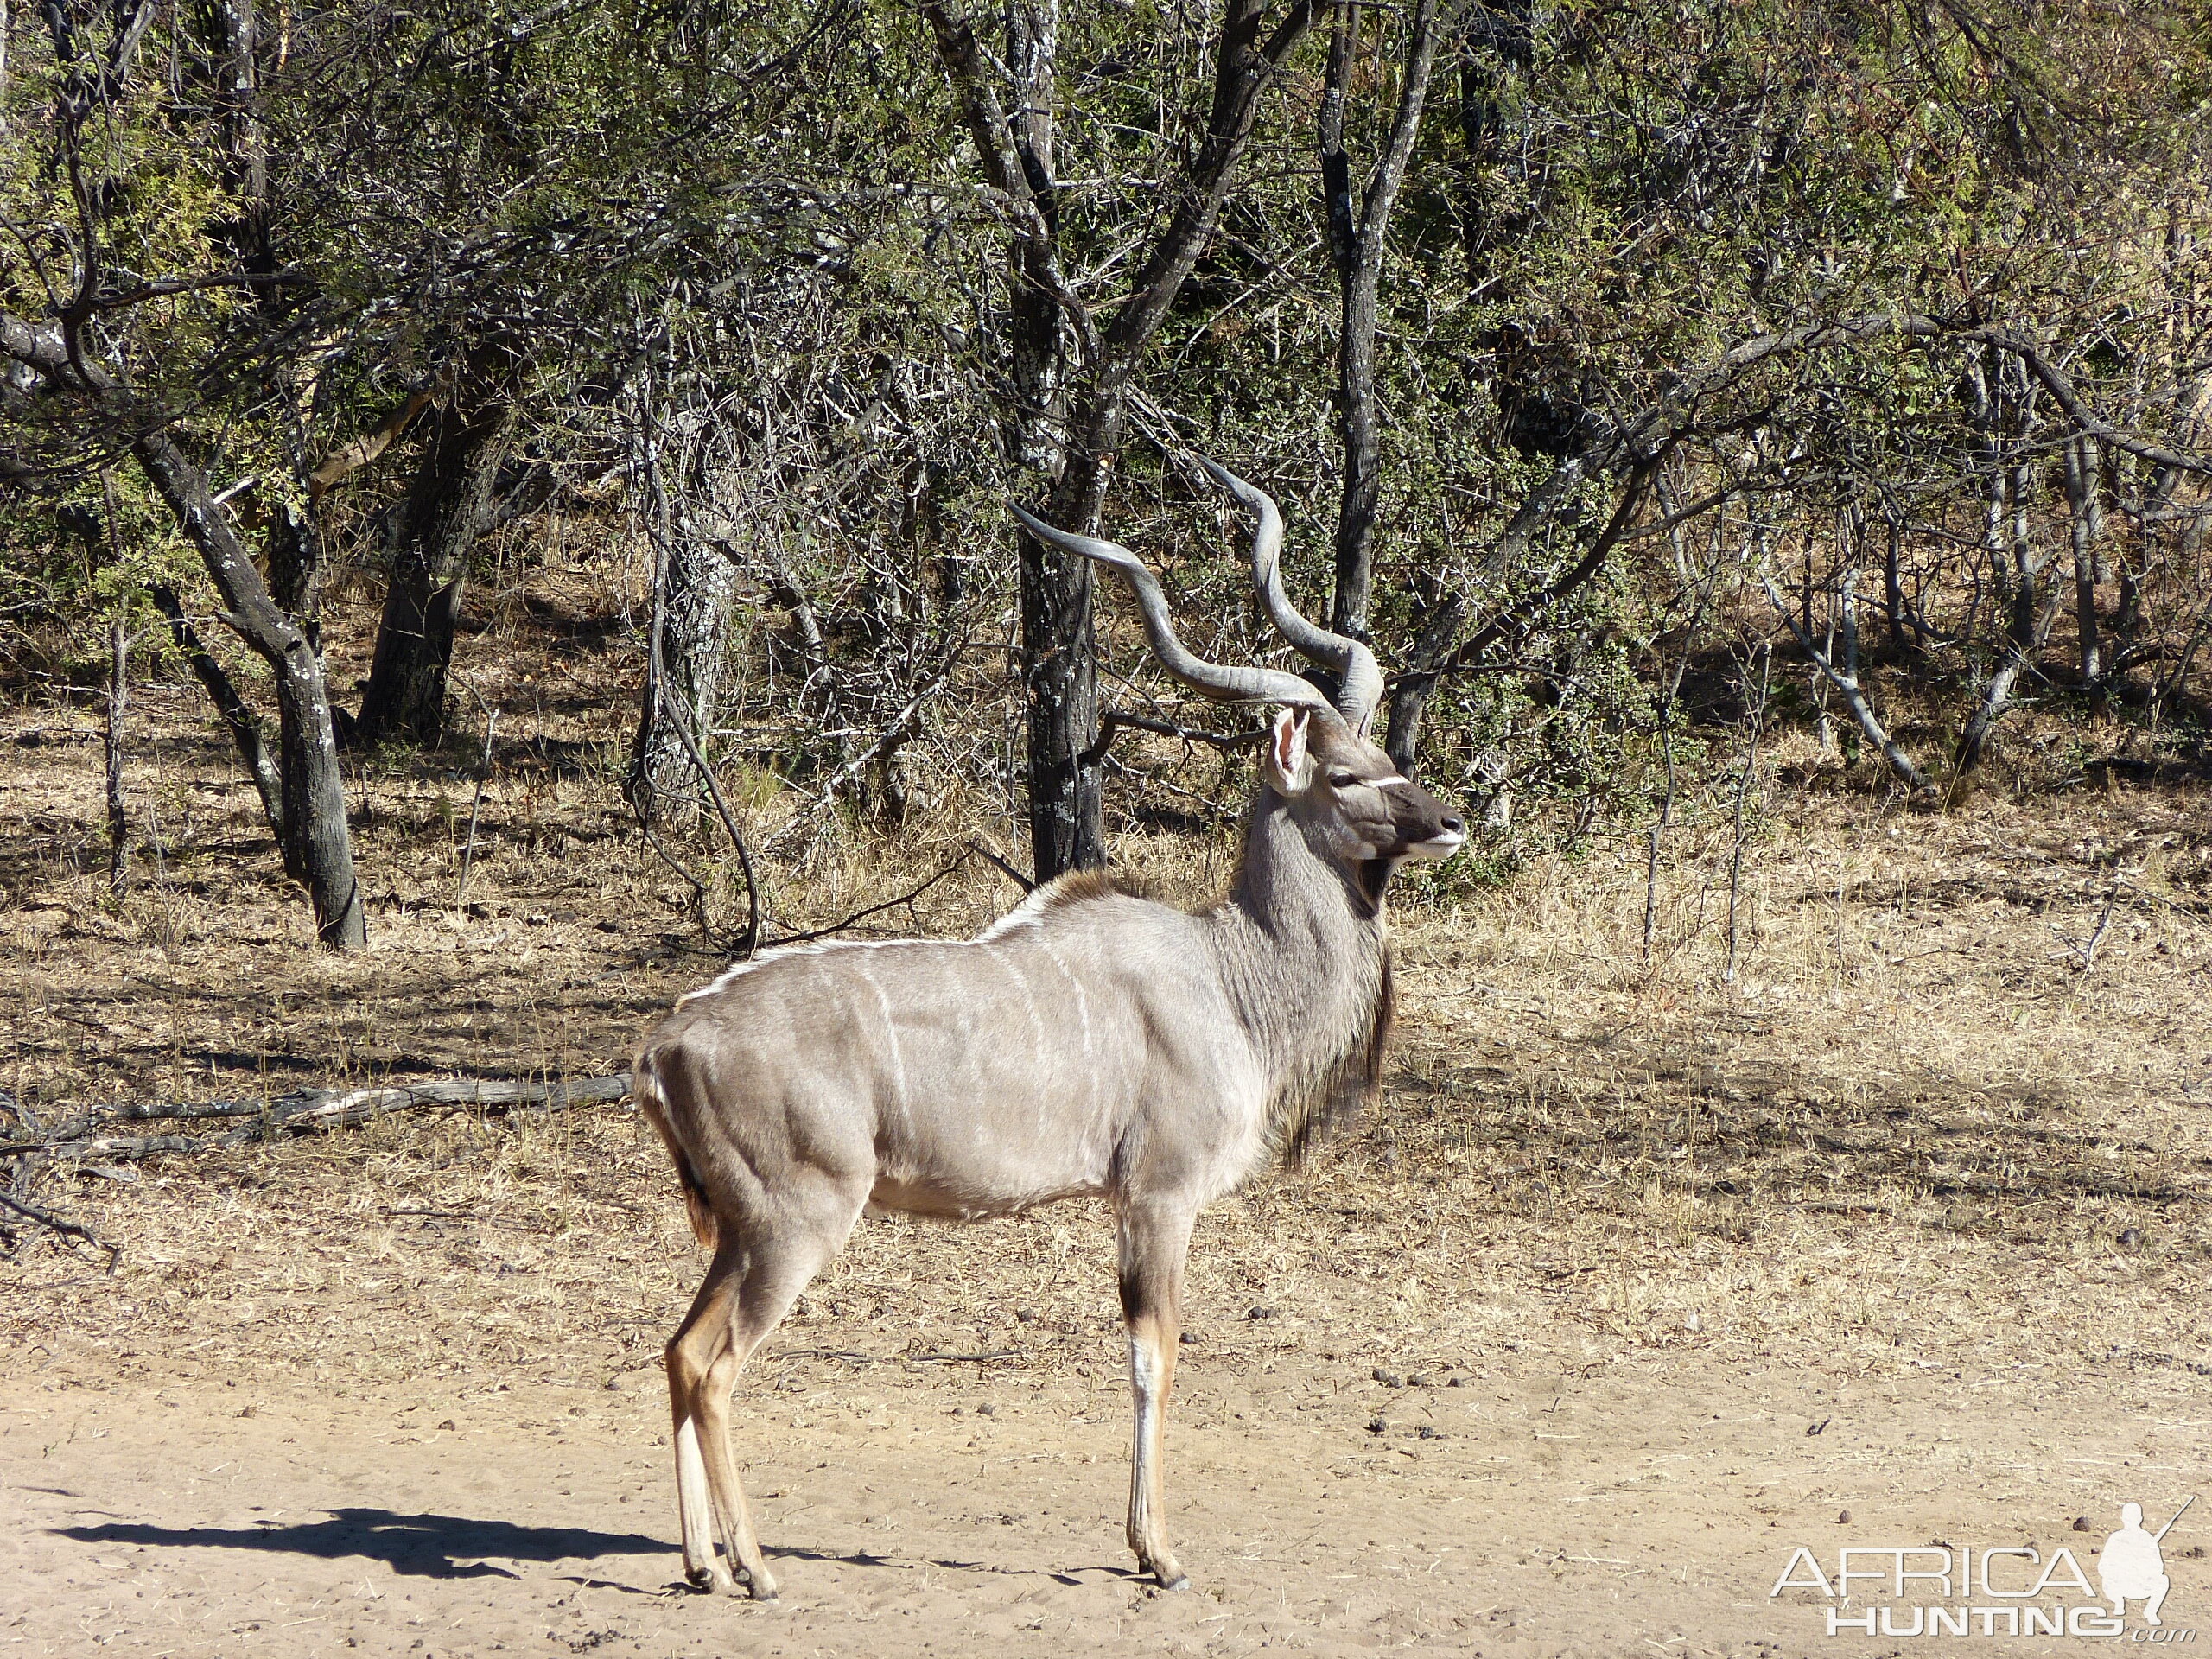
<point x="1845" y="679"/>
<point x="231" y="32"/>
<point x="1059" y="674"/>
<point x="448" y="504"/>
<point x="1059" y="657"/>
<point x="118" y="816"/>
<point x="1037" y="333"/>
<point x="295" y="550"/>
<point x="1902" y="642"/>
<point x="1067" y="820"/>
<point x="1996" y="696"/>
<point x="1409" y="703"/>
<point x="2009" y="546"/>
<point x="243" y="724"/>
<point x="2082" y="475"/>
<point x="1357" y="259"/>
<point x="1979" y="389"/>
<point x="695" y="588"/>
<point x="1357" y="236"/>
<point x="318" y="844"/>
<point x="2028" y="625"/>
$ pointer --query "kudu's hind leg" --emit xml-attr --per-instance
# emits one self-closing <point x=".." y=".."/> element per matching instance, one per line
<point x="784" y="1256"/>
<point x="1154" y="1242"/>
<point x="705" y="1328"/>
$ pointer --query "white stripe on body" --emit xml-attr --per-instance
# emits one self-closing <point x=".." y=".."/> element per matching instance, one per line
<point x="1083" y="1016"/>
<point x="891" y="1036"/>
<point x="1036" y="1032"/>
<point x="1028" y="998"/>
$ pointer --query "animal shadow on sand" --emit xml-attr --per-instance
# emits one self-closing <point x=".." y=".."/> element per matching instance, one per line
<point x="1073" y="1577"/>
<point x="414" y="1546"/>
<point x="456" y="1547"/>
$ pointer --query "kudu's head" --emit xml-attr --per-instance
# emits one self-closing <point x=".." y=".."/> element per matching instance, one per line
<point x="1350" y="802"/>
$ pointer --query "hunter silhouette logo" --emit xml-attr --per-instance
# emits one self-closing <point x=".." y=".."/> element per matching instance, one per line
<point x="2132" y="1565"/>
<point x="2000" y="1590"/>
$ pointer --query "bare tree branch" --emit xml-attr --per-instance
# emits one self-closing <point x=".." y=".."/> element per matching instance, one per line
<point x="47" y="1218"/>
<point x="1846" y="680"/>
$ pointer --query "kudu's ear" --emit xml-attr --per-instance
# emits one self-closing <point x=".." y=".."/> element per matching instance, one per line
<point x="1286" y="766"/>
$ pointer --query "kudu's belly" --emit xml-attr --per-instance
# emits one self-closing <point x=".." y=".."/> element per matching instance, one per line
<point x="969" y="1132"/>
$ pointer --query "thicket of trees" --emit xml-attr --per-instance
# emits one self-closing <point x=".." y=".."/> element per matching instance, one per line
<point x="1566" y="334"/>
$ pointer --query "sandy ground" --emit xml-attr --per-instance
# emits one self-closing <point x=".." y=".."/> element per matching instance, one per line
<point x="1645" y="1504"/>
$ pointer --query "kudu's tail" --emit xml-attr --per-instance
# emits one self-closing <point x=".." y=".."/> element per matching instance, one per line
<point x="651" y="1095"/>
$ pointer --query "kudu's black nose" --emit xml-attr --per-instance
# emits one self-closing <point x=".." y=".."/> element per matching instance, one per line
<point x="1454" y="826"/>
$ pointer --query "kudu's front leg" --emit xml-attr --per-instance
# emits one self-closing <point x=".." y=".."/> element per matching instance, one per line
<point x="1154" y="1239"/>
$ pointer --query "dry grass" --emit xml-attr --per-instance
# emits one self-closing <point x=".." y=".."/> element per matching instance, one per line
<point x="1913" y="1131"/>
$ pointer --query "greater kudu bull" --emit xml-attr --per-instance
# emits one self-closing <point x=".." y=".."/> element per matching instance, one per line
<point x="1091" y="1041"/>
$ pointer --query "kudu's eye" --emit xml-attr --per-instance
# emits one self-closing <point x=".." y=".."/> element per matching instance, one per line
<point x="1343" y="779"/>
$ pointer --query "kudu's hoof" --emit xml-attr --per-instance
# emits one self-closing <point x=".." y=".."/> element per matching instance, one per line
<point x="709" y="1580"/>
<point x="1169" y="1577"/>
<point x="760" y="1588"/>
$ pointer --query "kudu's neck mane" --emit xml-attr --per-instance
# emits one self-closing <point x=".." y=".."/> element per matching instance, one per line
<point x="1305" y="952"/>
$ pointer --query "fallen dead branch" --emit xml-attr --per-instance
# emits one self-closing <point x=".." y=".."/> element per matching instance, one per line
<point x="38" y="1216"/>
<point x="2088" y="952"/>
<point x="303" y="1112"/>
<point x="992" y="1358"/>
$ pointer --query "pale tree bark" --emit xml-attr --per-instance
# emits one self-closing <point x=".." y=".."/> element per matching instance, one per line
<point x="1846" y="677"/>
<point x="2188" y="514"/>
<point x="231" y="32"/>
<point x="1977" y="390"/>
<point x="1038" y="336"/>
<point x="317" y="842"/>
<point x="1058" y="653"/>
<point x="118" y="816"/>
<point x="2002" y="414"/>
<point x="2085" y="526"/>
<point x="1996" y="698"/>
<point x="238" y="719"/>
<point x="695" y="588"/>
<point x="695" y="585"/>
